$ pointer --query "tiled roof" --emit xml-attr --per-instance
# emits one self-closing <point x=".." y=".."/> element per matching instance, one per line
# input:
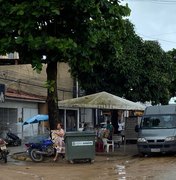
<point x="9" y="94"/>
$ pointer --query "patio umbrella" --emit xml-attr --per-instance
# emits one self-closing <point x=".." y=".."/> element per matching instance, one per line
<point x="36" y="119"/>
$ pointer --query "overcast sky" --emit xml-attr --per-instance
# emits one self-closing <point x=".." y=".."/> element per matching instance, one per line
<point x="155" y="20"/>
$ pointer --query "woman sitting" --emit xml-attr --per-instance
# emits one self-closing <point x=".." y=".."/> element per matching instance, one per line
<point x="58" y="140"/>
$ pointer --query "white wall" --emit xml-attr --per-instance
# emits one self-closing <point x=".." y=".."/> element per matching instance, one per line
<point x="29" y="130"/>
<point x="25" y="110"/>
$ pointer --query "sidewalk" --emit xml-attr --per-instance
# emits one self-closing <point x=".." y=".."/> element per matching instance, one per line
<point x="128" y="150"/>
<point x="124" y="150"/>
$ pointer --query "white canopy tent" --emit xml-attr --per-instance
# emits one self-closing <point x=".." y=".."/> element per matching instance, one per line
<point x="102" y="100"/>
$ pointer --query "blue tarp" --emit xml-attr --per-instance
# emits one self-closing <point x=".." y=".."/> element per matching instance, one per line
<point x="36" y="119"/>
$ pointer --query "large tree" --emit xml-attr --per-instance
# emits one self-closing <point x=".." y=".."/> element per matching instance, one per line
<point x="61" y="30"/>
<point x="171" y="56"/>
<point x="154" y="79"/>
<point x="139" y="72"/>
<point x="113" y="71"/>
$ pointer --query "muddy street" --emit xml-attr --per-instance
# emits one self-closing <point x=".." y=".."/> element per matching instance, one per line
<point x="105" y="167"/>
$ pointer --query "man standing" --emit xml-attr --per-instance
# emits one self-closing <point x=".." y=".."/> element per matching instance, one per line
<point x="120" y="127"/>
<point x="110" y="128"/>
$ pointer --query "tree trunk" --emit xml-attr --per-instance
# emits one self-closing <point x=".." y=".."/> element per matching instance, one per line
<point x="52" y="98"/>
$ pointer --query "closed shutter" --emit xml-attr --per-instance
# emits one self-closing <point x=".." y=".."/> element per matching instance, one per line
<point x="8" y="119"/>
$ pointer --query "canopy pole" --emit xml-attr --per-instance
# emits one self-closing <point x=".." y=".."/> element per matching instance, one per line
<point x="65" y="124"/>
<point x="32" y="129"/>
<point x="78" y="119"/>
<point x="22" y="131"/>
<point x="124" y="150"/>
<point x="96" y="116"/>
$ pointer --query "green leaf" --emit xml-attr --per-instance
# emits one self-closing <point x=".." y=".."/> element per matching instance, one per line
<point x="19" y="40"/>
<point x="21" y="12"/>
<point x="56" y="11"/>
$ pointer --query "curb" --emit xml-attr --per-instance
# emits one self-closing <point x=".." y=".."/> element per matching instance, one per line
<point x="23" y="156"/>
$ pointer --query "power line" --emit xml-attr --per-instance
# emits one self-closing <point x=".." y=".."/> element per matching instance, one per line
<point x="163" y="34"/>
<point x="40" y="87"/>
<point x="160" y="1"/>
<point x="168" y="2"/>
<point x="174" y="42"/>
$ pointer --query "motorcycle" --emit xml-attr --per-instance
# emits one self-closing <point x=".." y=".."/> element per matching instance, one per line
<point x="37" y="151"/>
<point x="13" y="139"/>
<point x="3" y="150"/>
<point x="44" y="147"/>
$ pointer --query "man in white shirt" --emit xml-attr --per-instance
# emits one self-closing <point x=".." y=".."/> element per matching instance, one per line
<point x="120" y="126"/>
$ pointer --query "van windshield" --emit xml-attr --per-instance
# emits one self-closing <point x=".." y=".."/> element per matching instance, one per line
<point x="158" y="121"/>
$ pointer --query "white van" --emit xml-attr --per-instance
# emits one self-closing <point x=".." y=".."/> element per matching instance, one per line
<point x="157" y="130"/>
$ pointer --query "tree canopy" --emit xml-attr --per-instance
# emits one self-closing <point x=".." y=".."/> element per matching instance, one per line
<point x="154" y="76"/>
<point x="171" y="56"/>
<point x="68" y="31"/>
<point x="139" y="73"/>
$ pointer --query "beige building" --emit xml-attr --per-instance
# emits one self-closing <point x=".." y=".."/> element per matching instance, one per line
<point x="24" y="79"/>
<point x="25" y="93"/>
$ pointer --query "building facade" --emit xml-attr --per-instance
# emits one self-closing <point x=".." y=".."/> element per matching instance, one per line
<point x="25" y="94"/>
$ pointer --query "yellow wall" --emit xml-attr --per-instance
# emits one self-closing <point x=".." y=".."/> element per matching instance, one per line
<point x="24" y="78"/>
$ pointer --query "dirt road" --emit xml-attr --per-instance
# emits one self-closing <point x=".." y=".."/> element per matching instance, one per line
<point x="102" y="168"/>
<point x="116" y="167"/>
<point x="113" y="168"/>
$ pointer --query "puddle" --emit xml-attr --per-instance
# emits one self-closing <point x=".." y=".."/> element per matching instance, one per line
<point x="121" y="172"/>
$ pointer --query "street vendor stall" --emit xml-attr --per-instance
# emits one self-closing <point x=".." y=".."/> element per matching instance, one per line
<point x="101" y="100"/>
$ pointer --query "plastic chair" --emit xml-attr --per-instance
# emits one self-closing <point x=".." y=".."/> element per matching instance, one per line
<point x="107" y="144"/>
<point x="117" y="139"/>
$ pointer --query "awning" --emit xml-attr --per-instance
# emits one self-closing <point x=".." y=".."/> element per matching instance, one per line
<point x="102" y="100"/>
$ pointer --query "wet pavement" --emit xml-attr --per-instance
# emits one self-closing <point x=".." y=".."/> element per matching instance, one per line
<point x="123" y="164"/>
<point x="125" y="151"/>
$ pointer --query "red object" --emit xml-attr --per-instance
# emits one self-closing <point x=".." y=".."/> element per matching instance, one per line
<point x="99" y="147"/>
<point x="2" y="142"/>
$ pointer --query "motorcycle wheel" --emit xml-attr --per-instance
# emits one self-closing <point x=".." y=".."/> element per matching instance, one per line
<point x="4" y="156"/>
<point x="50" y="150"/>
<point x="36" y="157"/>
